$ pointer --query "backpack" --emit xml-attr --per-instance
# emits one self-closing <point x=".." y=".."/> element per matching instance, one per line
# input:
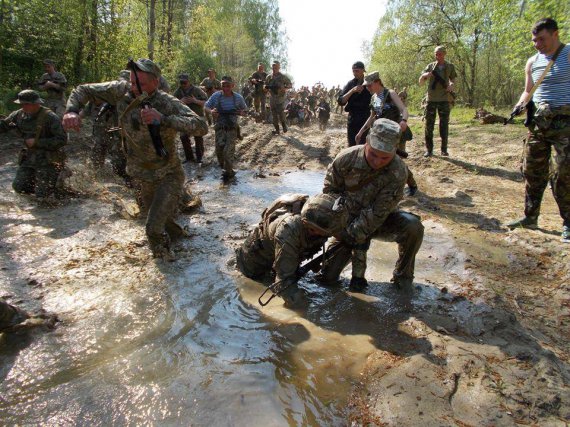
<point x="287" y="203"/>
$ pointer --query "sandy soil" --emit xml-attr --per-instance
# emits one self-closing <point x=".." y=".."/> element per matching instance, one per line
<point x="490" y="348"/>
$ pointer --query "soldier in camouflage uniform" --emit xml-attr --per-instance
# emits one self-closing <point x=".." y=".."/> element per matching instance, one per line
<point x="42" y="158"/>
<point x="293" y="229"/>
<point x="549" y="129"/>
<point x="160" y="178"/>
<point x="277" y="84"/>
<point x="371" y="178"/>
<point x="257" y="79"/>
<point x="195" y="98"/>
<point x="439" y="99"/>
<point x="210" y="85"/>
<point x="54" y="84"/>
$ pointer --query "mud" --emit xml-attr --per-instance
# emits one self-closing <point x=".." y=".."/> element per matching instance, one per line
<point x="483" y="339"/>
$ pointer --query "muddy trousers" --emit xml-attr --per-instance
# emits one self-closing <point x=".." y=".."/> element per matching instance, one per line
<point x="40" y="180"/>
<point x="259" y="103"/>
<point x="403" y="228"/>
<point x="226" y="148"/>
<point x="278" y="114"/>
<point x="187" y="147"/>
<point x="539" y="165"/>
<point x="160" y="199"/>
<point x="443" y="109"/>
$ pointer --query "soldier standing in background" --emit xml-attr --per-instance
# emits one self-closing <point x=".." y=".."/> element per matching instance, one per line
<point x="356" y="101"/>
<point x="195" y="98"/>
<point x="210" y="85"/>
<point x="257" y="79"/>
<point x="278" y="84"/>
<point x="54" y="84"/>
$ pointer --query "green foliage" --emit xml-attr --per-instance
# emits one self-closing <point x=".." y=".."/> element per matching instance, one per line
<point x="488" y="41"/>
<point x="91" y="40"/>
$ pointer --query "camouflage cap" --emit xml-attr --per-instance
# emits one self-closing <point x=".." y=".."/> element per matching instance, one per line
<point x="183" y="77"/>
<point x="226" y="79"/>
<point x="29" y="96"/>
<point x="325" y="212"/>
<point x="371" y="77"/>
<point x="384" y="135"/>
<point x="49" y="62"/>
<point x="147" y="66"/>
<point x="125" y="75"/>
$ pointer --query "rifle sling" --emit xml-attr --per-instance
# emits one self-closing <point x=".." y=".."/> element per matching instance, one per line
<point x="546" y="70"/>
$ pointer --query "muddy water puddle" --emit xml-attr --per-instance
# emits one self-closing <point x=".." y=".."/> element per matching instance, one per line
<point x="186" y="343"/>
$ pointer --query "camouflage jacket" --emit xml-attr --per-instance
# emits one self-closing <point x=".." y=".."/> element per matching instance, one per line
<point x="142" y="161"/>
<point x="210" y="85"/>
<point x="58" y="78"/>
<point x="48" y="147"/>
<point x="258" y="79"/>
<point x="370" y="204"/>
<point x="277" y="85"/>
<point x="285" y="243"/>
<point x="197" y="93"/>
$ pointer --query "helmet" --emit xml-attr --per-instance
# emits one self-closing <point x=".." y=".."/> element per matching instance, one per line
<point x="325" y="212"/>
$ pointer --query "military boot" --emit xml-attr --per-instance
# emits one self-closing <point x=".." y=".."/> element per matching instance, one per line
<point x="403" y="283"/>
<point x="525" y="222"/>
<point x="357" y="284"/>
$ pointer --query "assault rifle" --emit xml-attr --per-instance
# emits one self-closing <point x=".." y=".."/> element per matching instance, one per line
<point x="519" y="108"/>
<point x="273" y="88"/>
<point x="438" y="79"/>
<point x="105" y="108"/>
<point x="153" y="128"/>
<point x="314" y="265"/>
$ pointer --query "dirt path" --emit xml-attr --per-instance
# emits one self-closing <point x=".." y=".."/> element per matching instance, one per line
<point x="486" y="342"/>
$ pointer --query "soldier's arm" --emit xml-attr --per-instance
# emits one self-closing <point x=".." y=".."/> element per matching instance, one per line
<point x="426" y="74"/>
<point x="178" y="116"/>
<point x="524" y="98"/>
<point x="334" y="181"/>
<point x="56" y="138"/>
<point x="346" y="93"/>
<point x="110" y="92"/>
<point x="372" y="217"/>
<point x="9" y="122"/>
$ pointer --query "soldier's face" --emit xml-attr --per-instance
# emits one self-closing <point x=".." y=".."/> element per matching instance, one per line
<point x="377" y="159"/>
<point x="30" y="108"/>
<point x="48" y="68"/>
<point x="440" y="56"/>
<point x="275" y="68"/>
<point x="544" y="40"/>
<point x="227" y="88"/>
<point x="148" y="82"/>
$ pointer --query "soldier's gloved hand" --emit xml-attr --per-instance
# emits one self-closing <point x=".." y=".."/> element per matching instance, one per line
<point x="150" y="116"/>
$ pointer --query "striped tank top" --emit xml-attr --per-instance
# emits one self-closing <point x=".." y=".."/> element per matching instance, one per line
<point x="555" y="88"/>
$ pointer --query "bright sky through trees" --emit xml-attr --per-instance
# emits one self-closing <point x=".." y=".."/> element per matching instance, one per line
<point x="326" y="37"/>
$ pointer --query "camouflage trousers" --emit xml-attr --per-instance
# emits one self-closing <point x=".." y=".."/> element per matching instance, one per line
<point x="443" y="109"/>
<point x="187" y="147"/>
<point x="259" y="103"/>
<point x="108" y="143"/>
<point x="226" y="148"/>
<point x="539" y="165"/>
<point x="160" y="200"/>
<point x="40" y="180"/>
<point x="278" y="112"/>
<point x="411" y="181"/>
<point x="403" y="228"/>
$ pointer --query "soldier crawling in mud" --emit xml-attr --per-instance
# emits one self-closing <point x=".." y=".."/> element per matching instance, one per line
<point x="152" y="162"/>
<point x="54" y="84"/>
<point x="371" y="178"/>
<point x="293" y="229"/>
<point x="42" y="158"/>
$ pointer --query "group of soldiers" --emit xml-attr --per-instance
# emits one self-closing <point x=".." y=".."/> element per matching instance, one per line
<point x="362" y="187"/>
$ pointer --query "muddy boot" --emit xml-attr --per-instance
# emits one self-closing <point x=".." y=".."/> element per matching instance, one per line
<point x="276" y="131"/>
<point x="357" y="284"/>
<point x="294" y="298"/>
<point x="525" y="222"/>
<point x="285" y="128"/>
<point x="405" y="284"/>
<point x="161" y="248"/>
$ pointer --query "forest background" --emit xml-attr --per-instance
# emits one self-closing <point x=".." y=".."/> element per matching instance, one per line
<point x="90" y="40"/>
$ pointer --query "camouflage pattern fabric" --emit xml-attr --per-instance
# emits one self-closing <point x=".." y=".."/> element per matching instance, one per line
<point x="443" y="109"/>
<point x="55" y="98"/>
<point x="159" y="177"/>
<point x="372" y="199"/>
<point x="538" y="168"/>
<point x="279" y="84"/>
<point x="225" y="148"/>
<point x="39" y="166"/>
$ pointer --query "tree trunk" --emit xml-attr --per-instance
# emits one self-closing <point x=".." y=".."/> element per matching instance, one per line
<point x="151" y="28"/>
<point x="80" y="43"/>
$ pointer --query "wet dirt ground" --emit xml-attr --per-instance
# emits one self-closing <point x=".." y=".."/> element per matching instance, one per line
<point x="483" y="340"/>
